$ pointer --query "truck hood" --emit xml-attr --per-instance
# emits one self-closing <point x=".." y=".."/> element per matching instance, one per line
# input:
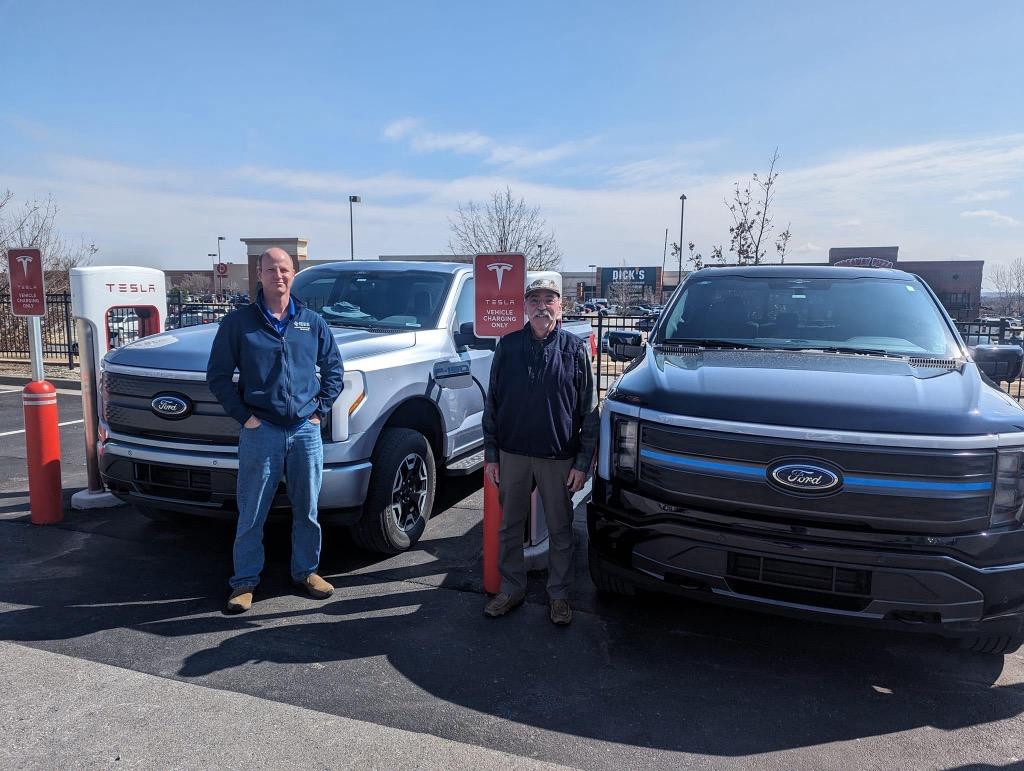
<point x="188" y="349"/>
<point x="822" y="391"/>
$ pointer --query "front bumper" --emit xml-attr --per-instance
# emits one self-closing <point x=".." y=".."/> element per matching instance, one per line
<point x="205" y="483"/>
<point x="924" y="583"/>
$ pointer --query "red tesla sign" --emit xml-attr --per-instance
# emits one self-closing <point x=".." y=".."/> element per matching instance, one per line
<point x="500" y="281"/>
<point x="25" y="270"/>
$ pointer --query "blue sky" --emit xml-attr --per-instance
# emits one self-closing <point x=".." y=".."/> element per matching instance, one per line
<point x="157" y="127"/>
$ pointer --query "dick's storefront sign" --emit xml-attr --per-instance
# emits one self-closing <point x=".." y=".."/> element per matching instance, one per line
<point x="635" y="281"/>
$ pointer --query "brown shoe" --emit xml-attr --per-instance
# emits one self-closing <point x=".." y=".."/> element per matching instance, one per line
<point x="501" y="604"/>
<point x="315" y="586"/>
<point x="240" y="599"/>
<point x="560" y="612"/>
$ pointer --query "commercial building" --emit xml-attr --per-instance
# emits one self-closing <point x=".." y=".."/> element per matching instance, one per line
<point x="957" y="283"/>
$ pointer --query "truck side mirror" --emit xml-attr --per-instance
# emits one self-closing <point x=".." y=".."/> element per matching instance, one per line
<point x="1001" y="363"/>
<point x="465" y="338"/>
<point x="624" y="346"/>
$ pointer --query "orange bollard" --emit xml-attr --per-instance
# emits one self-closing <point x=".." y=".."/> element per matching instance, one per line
<point x="492" y="537"/>
<point x="42" y="451"/>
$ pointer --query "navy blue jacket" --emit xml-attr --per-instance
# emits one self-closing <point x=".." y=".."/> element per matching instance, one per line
<point x="277" y="379"/>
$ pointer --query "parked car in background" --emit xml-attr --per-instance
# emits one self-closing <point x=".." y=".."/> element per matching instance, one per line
<point x="646" y="324"/>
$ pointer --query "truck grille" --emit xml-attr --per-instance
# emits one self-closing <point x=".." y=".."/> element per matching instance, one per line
<point x="882" y="488"/>
<point x="802" y="582"/>
<point x="188" y="484"/>
<point x="800" y="575"/>
<point x="128" y="409"/>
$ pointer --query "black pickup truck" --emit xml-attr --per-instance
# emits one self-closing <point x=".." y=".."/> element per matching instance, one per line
<point x="814" y="441"/>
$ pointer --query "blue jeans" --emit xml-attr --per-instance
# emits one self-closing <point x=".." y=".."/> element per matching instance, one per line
<point x="265" y="453"/>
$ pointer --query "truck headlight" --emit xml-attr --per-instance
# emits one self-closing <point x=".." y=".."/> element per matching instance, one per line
<point x="1008" y="496"/>
<point x="353" y="394"/>
<point x="624" y="447"/>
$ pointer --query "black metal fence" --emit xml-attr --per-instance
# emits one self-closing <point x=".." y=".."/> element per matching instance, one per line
<point x="606" y="368"/>
<point x="123" y="325"/>
<point x="59" y="344"/>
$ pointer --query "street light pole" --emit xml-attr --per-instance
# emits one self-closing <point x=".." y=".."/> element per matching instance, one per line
<point x="351" y="232"/>
<point x="682" y="212"/>
<point x="219" y="239"/>
<point x="213" y="276"/>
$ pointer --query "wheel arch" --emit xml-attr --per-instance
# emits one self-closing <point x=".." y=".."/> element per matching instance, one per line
<point x="420" y="414"/>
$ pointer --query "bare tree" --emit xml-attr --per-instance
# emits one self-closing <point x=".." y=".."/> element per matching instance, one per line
<point x="505" y="224"/>
<point x="696" y="260"/>
<point x="751" y="215"/>
<point x="1007" y="280"/>
<point x="193" y="283"/>
<point x="782" y="244"/>
<point x="33" y="225"/>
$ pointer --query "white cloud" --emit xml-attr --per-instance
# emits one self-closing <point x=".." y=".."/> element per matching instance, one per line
<point x="809" y="247"/>
<point x="991" y="215"/>
<point x="171" y="217"/>
<point x="400" y="128"/>
<point x="474" y="143"/>
<point x="979" y="196"/>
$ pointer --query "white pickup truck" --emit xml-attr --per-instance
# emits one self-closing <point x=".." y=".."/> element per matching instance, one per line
<point x="411" y="408"/>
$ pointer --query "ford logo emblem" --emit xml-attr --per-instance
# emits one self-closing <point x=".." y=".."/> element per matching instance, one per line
<point x="809" y="478"/>
<point x="171" y="406"/>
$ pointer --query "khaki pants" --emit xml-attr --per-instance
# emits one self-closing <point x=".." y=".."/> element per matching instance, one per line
<point x="518" y="474"/>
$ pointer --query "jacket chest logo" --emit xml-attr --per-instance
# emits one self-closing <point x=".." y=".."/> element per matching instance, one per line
<point x="301" y="326"/>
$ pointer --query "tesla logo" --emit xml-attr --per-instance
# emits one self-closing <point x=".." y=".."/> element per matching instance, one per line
<point x="126" y="287"/>
<point x="26" y="259"/>
<point x="500" y="269"/>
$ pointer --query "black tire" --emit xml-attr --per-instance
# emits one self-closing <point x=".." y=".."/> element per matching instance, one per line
<point x="401" y="493"/>
<point x="994" y="645"/>
<point x="607" y="583"/>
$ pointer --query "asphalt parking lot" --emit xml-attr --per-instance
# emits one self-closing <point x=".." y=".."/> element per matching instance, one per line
<point x="403" y="653"/>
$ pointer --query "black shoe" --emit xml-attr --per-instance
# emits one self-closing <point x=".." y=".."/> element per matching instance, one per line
<point x="501" y="604"/>
<point x="560" y="612"/>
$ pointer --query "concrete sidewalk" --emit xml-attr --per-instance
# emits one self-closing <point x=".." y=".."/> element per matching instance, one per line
<point x="63" y="712"/>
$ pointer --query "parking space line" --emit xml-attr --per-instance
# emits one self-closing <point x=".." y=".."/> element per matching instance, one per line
<point x="65" y="423"/>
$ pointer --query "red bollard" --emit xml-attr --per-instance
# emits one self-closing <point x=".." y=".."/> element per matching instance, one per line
<point x="42" y="450"/>
<point x="492" y="537"/>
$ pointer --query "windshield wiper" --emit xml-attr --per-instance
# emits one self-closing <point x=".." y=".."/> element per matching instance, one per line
<point x="704" y="342"/>
<point x="362" y="324"/>
<point x="851" y="349"/>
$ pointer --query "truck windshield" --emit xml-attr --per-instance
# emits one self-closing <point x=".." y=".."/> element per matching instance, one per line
<point x="389" y="299"/>
<point x="861" y="315"/>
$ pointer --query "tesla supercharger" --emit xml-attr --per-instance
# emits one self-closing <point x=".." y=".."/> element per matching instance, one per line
<point x="105" y="300"/>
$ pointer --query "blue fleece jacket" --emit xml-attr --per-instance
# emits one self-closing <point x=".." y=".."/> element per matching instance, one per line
<point x="277" y="379"/>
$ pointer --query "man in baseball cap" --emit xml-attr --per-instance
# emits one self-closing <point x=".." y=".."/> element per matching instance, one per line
<point x="540" y="429"/>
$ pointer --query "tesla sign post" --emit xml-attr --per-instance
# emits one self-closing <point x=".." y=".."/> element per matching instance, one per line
<point x="500" y="281"/>
<point x="500" y="309"/>
<point x="39" y="398"/>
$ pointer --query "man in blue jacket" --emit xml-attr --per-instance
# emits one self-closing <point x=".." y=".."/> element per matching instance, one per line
<point x="276" y="344"/>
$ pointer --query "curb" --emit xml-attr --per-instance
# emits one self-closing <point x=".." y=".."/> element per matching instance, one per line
<point x="20" y="380"/>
